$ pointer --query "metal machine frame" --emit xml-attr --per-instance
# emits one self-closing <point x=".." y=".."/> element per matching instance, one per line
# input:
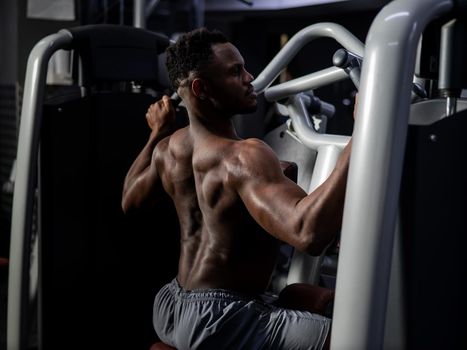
<point x="370" y="212"/>
<point x="305" y="268"/>
<point x="373" y="183"/>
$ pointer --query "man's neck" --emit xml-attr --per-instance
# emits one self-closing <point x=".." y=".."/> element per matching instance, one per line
<point x="220" y="126"/>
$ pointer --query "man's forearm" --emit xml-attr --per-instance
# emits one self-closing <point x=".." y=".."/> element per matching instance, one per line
<point x="144" y="158"/>
<point x="140" y="167"/>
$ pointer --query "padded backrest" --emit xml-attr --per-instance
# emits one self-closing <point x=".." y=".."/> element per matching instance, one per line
<point x="100" y="268"/>
<point x="119" y="53"/>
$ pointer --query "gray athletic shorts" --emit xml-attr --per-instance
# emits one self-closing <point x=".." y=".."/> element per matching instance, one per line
<point x="221" y="319"/>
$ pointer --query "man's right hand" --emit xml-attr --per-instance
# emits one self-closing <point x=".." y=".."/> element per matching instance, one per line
<point x="161" y="115"/>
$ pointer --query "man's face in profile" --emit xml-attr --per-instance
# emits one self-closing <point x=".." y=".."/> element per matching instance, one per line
<point x="228" y="82"/>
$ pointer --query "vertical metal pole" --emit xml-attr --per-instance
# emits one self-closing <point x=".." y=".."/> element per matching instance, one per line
<point x="105" y="11"/>
<point x="121" y="19"/>
<point x="375" y="171"/>
<point x="139" y="18"/>
<point x="199" y="9"/>
<point x="306" y="268"/>
<point x="23" y="196"/>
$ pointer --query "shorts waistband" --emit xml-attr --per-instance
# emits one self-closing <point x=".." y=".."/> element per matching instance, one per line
<point x="211" y="293"/>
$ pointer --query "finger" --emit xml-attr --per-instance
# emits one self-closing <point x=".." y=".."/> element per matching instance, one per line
<point x="161" y="104"/>
<point x="166" y="102"/>
<point x="156" y="106"/>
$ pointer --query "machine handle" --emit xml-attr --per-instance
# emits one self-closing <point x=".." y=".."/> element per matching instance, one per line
<point x="349" y="62"/>
<point x="352" y="64"/>
<point x="175" y="99"/>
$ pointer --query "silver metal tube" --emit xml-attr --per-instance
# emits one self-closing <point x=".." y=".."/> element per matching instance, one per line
<point x="305" y="268"/>
<point x="298" y="41"/>
<point x="375" y="171"/>
<point x="451" y="103"/>
<point x="199" y="9"/>
<point x="139" y="18"/>
<point x="307" y="82"/>
<point x="121" y="19"/>
<point x="325" y="163"/>
<point x="23" y="197"/>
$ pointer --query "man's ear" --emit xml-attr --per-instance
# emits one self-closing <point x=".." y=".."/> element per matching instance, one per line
<point x="198" y="88"/>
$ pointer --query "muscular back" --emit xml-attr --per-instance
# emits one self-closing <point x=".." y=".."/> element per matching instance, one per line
<point x="221" y="245"/>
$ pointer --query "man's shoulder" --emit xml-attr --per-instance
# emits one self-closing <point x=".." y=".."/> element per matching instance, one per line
<point x="250" y="150"/>
<point x="176" y="139"/>
<point x="250" y="156"/>
<point x="254" y="145"/>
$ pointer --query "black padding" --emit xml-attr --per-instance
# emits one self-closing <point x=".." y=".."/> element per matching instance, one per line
<point x="100" y="268"/>
<point x="434" y="234"/>
<point x="119" y="53"/>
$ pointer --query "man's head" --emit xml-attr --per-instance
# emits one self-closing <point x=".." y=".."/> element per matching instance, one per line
<point x="208" y="65"/>
<point x="190" y="54"/>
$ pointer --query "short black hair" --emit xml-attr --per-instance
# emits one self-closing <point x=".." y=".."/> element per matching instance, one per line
<point x="191" y="52"/>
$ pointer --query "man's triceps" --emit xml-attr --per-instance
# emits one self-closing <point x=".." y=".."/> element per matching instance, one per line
<point x="271" y="198"/>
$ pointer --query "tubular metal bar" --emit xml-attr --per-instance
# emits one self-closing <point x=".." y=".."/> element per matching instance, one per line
<point x="375" y="171"/>
<point x="151" y="7"/>
<point x="303" y="267"/>
<point x="298" y="41"/>
<point x="304" y="130"/>
<point x="308" y="82"/>
<point x="23" y="197"/>
<point x="199" y="9"/>
<point x="139" y="17"/>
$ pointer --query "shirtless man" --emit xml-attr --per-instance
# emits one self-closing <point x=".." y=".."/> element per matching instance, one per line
<point x="233" y="202"/>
